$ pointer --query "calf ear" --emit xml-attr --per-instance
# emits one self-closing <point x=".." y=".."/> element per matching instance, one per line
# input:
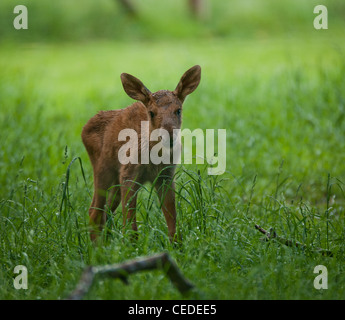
<point x="135" y="88"/>
<point x="188" y="83"/>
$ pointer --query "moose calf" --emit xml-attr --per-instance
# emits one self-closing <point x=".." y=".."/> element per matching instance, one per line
<point x="121" y="180"/>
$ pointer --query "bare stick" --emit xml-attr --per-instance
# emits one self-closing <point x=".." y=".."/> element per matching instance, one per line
<point x="273" y="235"/>
<point x="159" y="261"/>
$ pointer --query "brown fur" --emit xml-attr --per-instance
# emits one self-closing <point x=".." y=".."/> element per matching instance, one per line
<point x="100" y="137"/>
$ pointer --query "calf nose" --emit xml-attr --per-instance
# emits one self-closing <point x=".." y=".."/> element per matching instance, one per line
<point x="172" y="141"/>
<point x="167" y="136"/>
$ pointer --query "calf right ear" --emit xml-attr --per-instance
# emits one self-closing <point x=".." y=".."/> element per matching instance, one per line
<point x="188" y="83"/>
<point x="135" y="88"/>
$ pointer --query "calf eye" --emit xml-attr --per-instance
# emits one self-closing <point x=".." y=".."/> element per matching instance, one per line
<point x="152" y="114"/>
<point x="178" y="112"/>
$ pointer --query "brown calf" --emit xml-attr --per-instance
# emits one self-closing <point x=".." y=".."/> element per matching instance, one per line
<point x="160" y="110"/>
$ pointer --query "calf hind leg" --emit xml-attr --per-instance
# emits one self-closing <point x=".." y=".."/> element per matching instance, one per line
<point x="97" y="214"/>
<point x="129" y="201"/>
<point x="114" y="197"/>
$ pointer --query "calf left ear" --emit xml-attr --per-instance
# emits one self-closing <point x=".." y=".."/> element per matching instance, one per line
<point x="188" y="83"/>
<point x="135" y="88"/>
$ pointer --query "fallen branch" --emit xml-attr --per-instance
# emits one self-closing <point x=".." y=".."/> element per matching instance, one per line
<point x="159" y="261"/>
<point x="271" y="234"/>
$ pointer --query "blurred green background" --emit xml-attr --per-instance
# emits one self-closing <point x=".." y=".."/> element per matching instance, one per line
<point x="82" y="20"/>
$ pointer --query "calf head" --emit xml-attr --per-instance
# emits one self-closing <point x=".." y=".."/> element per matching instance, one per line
<point x="164" y="107"/>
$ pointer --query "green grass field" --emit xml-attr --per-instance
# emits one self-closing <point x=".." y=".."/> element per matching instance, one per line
<point x="281" y="100"/>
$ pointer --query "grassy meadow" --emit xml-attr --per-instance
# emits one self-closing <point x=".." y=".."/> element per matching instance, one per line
<point x="277" y="86"/>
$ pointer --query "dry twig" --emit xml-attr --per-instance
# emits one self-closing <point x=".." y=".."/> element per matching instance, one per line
<point x="271" y="234"/>
<point x="159" y="261"/>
